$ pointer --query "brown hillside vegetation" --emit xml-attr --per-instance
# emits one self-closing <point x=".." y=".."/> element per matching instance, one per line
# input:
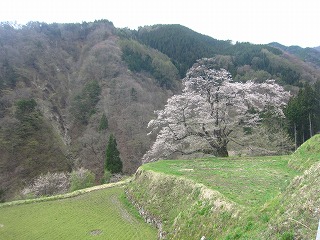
<point x="61" y="67"/>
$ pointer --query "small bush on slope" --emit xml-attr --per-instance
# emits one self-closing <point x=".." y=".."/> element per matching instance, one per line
<point x="81" y="178"/>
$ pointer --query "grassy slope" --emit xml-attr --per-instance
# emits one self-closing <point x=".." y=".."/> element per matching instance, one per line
<point x="307" y="154"/>
<point x="239" y="198"/>
<point x="297" y="210"/>
<point x="104" y="212"/>
<point x="258" y="179"/>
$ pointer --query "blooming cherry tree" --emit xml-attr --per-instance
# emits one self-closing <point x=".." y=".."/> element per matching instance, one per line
<point x="204" y="117"/>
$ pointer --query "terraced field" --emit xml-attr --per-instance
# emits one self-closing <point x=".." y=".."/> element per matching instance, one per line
<point x="274" y="197"/>
<point x="247" y="181"/>
<point x="101" y="214"/>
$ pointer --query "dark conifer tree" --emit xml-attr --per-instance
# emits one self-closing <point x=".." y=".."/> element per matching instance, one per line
<point x="103" y="122"/>
<point x="113" y="162"/>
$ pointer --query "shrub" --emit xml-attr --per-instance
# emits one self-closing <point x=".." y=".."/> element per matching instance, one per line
<point x="287" y="236"/>
<point x="81" y="178"/>
<point x="47" y="185"/>
<point x="106" y="177"/>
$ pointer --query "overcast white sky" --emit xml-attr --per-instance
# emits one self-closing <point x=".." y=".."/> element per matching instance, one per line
<point x="289" y="22"/>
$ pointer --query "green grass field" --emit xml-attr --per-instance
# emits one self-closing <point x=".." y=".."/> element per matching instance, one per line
<point x="221" y="198"/>
<point x="247" y="181"/>
<point x="101" y="214"/>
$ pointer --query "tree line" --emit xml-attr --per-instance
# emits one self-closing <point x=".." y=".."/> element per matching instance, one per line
<point x="303" y="113"/>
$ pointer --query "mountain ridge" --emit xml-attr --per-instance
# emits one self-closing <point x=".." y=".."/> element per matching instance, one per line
<point x="243" y="60"/>
<point x="311" y="55"/>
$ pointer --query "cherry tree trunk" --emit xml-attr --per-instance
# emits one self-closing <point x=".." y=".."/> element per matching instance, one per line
<point x="222" y="151"/>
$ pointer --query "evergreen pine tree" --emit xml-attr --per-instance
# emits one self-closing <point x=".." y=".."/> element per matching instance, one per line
<point x="113" y="162"/>
<point x="103" y="122"/>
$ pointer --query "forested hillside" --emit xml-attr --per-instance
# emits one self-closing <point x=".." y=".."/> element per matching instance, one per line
<point x="58" y="82"/>
<point x="64" y="88"/>
<point x="181" y="44"/>
<point x="244" y="60"/>
<point x="310" y="55"/>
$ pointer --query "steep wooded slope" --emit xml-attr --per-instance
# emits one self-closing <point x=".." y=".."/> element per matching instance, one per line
<point x="75" y="74"/>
